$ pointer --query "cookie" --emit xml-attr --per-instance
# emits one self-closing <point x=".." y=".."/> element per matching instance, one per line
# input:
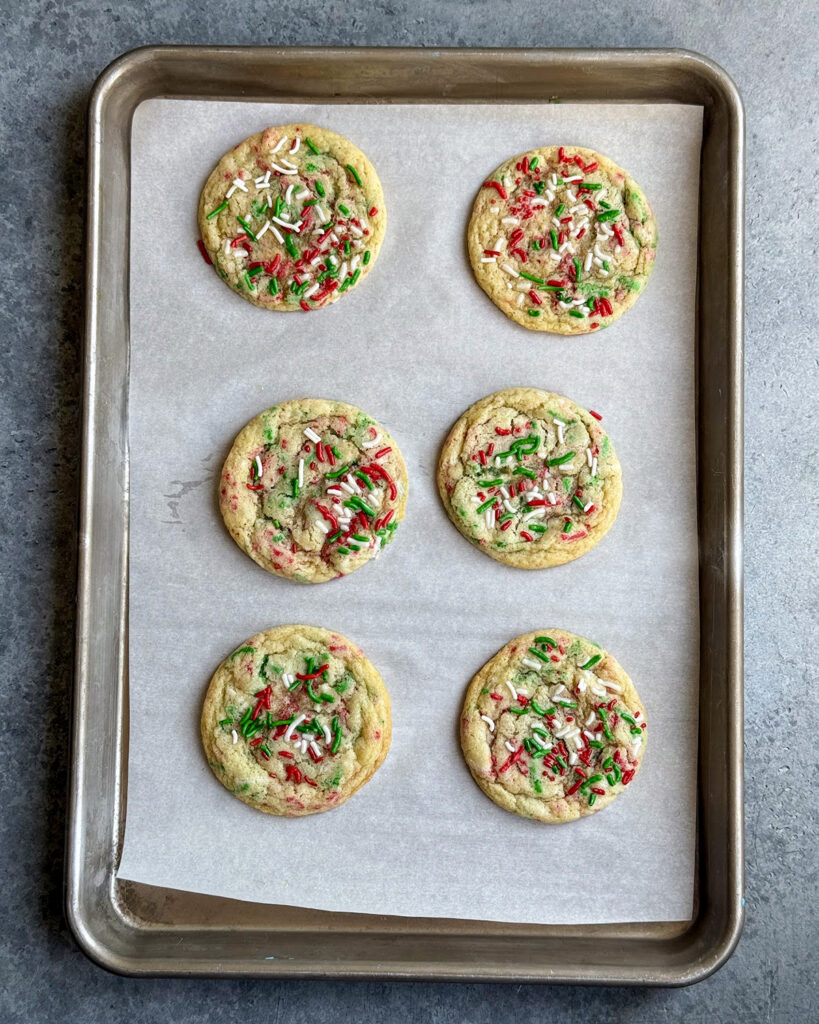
<point x="552" y="728"/>
<point x="295" y="721"/>
<point x="293" y="217"/>
<point x="562" y="240"/>
<point x="530" y="478"/>
<point x="313" y="489"/>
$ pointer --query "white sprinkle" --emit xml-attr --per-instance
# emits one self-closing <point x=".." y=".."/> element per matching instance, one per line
<point x="531" y="664"/>
<point x="303" y="194"/>
<point x="581" y="686"/>
<point x="328" y="738"/>
<point x="489" y="722"/>
<point x="511" y="220"/>
<point x="594" y="466"/>
<point x="611" y="686"/>
<point x="335" y="490"/>
<point x="510" y="746"/>
<point x="512" y="690"/>
<point x="500" y="245"/>
<point x="279" y="144"/>
<point x="573" y="759"/>
<point x="333" y="235"/>
<point x="598" y="261"/>
<point x="259" y="470"/>
<point x="560" y="425"/>
<point x="509" y="269"/>
<point x="598" y="691"/>
<point x="314" y="262"/>
<point x="289" y="193"/>
<point x="291" y="728"/>
<point x="566" y="245"/>
<point x="356" y="231"/>
<point x="589" y="456"/>
<point x="588" y="506"/>
<point x="539" y="201"/>
<point x="311" y="434"/>
<point x="556" y="222"/>
<point x="377" y="439"/>
<point x="354" y="263"/>
<point x="550" y="195"/>
<point x="477" y="500"/>
<point x="535" y="514"/>
<point x="504" y="491"/>
<point x="342" y="273"/>
<point x="304" y="746"/>
<point x="561" y="732"/>
<point x="230" y="191"/>
<point x="572" y="195"/>
<point x="575" y="177"/>
<point x="284" y="170"/>
<point x="238" y="183"/>
<point x="322" y="526"/>
<point x="235" y="737"/>
<point x="490" y="518"/>
<point x="588" y="261"/>
<point x="520" y="299"/>
<point x="278" y="234"/>
<point x="552" y="498"/>
<point x="635" y="747"/>
<point x="288" y="224"/>
<point x="315" y="748"/>
<point x="263" y="229"/>
<point x="311" y="291"/>
<point x="227" y="248"/>
<point x="295" y="147"/>
<point x="618" y="249"/>
<point x="508" y="505"/>
<point x="603" y="273"/>
<point x="347" y="487"/>
<point x="301" y="472"/>
<point x="489" y="259"/>
<point x="591" y="719"/>
<point x="351" y="480"/>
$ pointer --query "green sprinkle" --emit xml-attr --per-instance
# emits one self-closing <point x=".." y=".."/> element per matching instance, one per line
<point x="605" y="264"/>
<point x="320" y="189"/>
<point x="327" y="698"/>
<point x="592" y="798"/>
<point x="608" y="215"/>
<point x="245" y="225"/>
<point x="533" y="312"/>
<point x="604" y="204"/>
<point x="531" y="277"/>
<point x="366" y="258"/>
<point x="217" y="210"/>
<point x="360" y="538"/>
<point x="596" y="743"/>
<point x="344" y="209"/>
<point x="519" y="711"/>
<point x="592" y="661"/>
<point x="539" y="187"/>
<point x="354" y="173"/>
<point x="311" y="145"/>
<point x="263" y="667"/>
<point x="355" y="502"/>
<point x="538" y="654"/>
<point x="537" y="708"/>
<point x="561" y="762"/>
<point x="560" y="209"/>
<point x="593" y="186"/>
<point x="254" y="271"/>
<point x="604" y="718"/>
<point x="337" y="472"/>
<point x="536" y="528"/>
<point x="283" y="721"/>
<point x="354" y="547"/>
<point x="310" y="691"/>
<point x="577" y="269"/>
<point x="342" y="550"/>
<point x="567" y="703"/>
<point x="576" y="313"/>
<point x="291" y="246"/>
<point x="533" y="162"/>
<point x="490" y="483"/>
<point x="537" y="786"/>
<point x="553" y="236"/>
<point x="273" y="286"/>
<point x="545" y="640"/>
<point x="486" y="505"/>
<point x="336" y="536"/>
<point x="249" y="282"/>
<point x="522" y="471"/>
<point x="310" y="202"/>
<point x="539" y="731"/>
<point x="578" y="502"/>
<point x="296" y="488"/>
<point x="336" y="727"/>
<point x="347" y="247"/>
<point x="536" y="244"/>
<point x="560" y="459"/>
<point x="591" y="781"/>
<point x="550" y="288"/>
<point x="242" y="650"/>
<point x="364" y="479"/>
<point x="356" y="276"/>
<point x="505" y="518"/>
<point x="277" y="209"/>
<point x="226" y="721"/>
<point x="567" y="527"/>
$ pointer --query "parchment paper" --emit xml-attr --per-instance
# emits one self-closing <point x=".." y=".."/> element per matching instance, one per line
<point x="414" y="346"/>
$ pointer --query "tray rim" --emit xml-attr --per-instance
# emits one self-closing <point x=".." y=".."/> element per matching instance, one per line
<point x="116" y="79"/>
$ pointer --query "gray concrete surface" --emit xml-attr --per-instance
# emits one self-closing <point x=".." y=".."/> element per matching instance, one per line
<point x="51" y="52"/>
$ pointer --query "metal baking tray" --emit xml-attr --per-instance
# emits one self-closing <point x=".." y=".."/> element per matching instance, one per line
<point x="141" y="930"/>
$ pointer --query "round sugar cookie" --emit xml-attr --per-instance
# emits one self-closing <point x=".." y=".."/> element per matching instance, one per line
<point x="295" y="721"/>
<point x="530" y="478"/>
<point x="312" y="489"/>
<point x="293" y="217"/>
<point x="552" y="728"/>
<point x="562" y="240"/>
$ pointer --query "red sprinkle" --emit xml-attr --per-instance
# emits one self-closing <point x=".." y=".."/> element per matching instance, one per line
<point x="496" y="696"/>
<point x="304" y="306"/>
<point x="536" y="299"/>
<point x="312" y="675"/>
<point x="497" y="186"/>
<point x="580" y="233"/>
<point x="382" y="453"/>
<point x="374" y="209"/>
<point x="502" y="431"/>
<point x="292" y="773"/>
<point x="591" y="167"/>
<point x="204" y="252"/>
<point x="526" y="535"/>
<point x="285" y="753"/>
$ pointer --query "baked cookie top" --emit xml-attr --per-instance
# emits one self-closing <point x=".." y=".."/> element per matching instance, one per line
<point x="293" y="217"/>
<point x="530" y="478"/>
<point x="562" y="240"/>
<point x="296" y="720"/>
<point x="552" y="728"/>
<point x="313" y="489"/>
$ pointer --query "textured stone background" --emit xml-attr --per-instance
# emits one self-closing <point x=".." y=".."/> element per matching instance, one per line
<point x="51" y="53"/>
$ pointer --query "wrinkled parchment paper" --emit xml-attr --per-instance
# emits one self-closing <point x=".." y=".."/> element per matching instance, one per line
<point x="414" y="346"/>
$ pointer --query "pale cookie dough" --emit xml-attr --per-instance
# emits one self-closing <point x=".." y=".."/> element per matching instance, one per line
<point x="562" y="240"/>
<point x="313" y="489"/>
<point x="295" y="721"/>
<point x="530" y="478"/>
<point x="552" y="728"/>
<point x="293" y="217"/>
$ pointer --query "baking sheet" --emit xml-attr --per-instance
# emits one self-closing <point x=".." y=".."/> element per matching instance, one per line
<point x="414" y="347"/>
